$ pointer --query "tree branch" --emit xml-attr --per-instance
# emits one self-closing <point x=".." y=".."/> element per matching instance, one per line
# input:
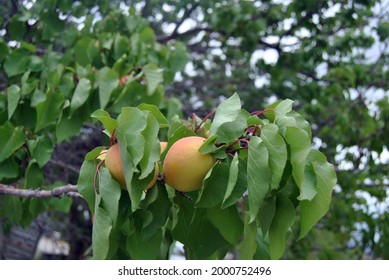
<point x="68" y="190"/>
<point x="186" y="15"/>
<point x="185" y="34"/>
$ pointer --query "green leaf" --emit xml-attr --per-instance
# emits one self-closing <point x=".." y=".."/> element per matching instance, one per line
<point x="11" y="139"/>
<point x="3" y="50"/>
<point x="66" y="84"/>
<point x="227" y="111"/>
<point x="236" y="191"/>
<point x="131" y="123"/>
<point x="102" y="227"/>
<point x="280" y="226"/>
<point x="249" y="244"/>
<point x="312" y="211"/>
<point x="141" y="249"/>
<point x="34" y="176"/>
<point x="108" y="81"/>
<point x="258" y="175"/>
<point x="16" y="28"/>
<point x="69" y="126"/>
<point x="85" y="183"/>
<point x="162" y="121"/>
<point x="135" y="192"/>
<point x="262" y="252"/>
<point x="13" y="96"/>
<point x="153" y="77"/>
<point x="109" y="191"/>
<point x="278" y="153"/>
<point x="283" y="108"/>
<point x="15" y="63"/>
<point x="309" y="183"/>
<point x="9" y="169"/>
<point x="80" y="95"/>
<point x="300" y="145"/>
<point x="152" y="148"/>
<point x="47" y="110"/>
<point x="178" y="58"/>
<point x="227" y="221"/>
<point x="11" y="209"/>
<point x="230" y="131"/>
<point x="232" y="176"/>
<point x="81" y="50"/>
<point x="200" y="238"/>
<point x="214" y="186"/>
<point x="109" y="123"/>
<point x="52" y="25"/>
<point x="41" y="149"/>
<point x="160" y="209"/>
<point x="92" y="155"/>
<point x="266" y="214"/>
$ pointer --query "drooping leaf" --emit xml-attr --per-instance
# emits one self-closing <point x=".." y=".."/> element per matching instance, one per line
<point x="313" y="210"/>
<point x="80" y="95"/>
<point x="159" y="208"/>
<point x="215" y="185"/>
<point x="258" y="175"/>
<point x="131" y="123"/>
<point x="278" y="154"/>
<point x="3" y="50"/>
<point x="178" y="58"/>
<point x="15" y="63"/>
<point x="108" y="81"/>
<point x="85" y="183"/>
<point x="152" y="148"/>
<point x="13" y="96"/>
<point x="11" y="139"/>
<point x="69" y="126"/>
<point x="41" y="149"/>
<point x="153" y="77"/>
<point x="249" y="244"/>
<point x="280" y="226"/>
<point x="11" y="209"/>
<point x="266" y="214"/>
<point x="309" y="183"/>
<point x="300" y="145"/>
<point x="102" y="226"/>
<point x="109" y="191"/>
<point x="200" y="237"/>
<point x="232" y="196"/>
<point x="34" y="176"/>
<point x="8" y="169"/>
<point x="47" y="110"/>
<point x="232" y="176"/>
<point x="140" y="248"/>
<point x="227" y="221"/>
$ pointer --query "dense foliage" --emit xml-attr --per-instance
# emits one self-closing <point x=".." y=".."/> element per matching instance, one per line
<point x="62" y="60"/>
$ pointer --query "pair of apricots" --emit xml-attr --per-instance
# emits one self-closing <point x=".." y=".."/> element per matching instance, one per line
<point x="184" y="167"/>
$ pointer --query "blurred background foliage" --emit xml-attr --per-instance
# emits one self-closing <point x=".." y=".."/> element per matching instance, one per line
<point x="331" y="57"/>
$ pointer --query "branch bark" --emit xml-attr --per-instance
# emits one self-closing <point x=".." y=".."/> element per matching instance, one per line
<point x="67" y="190"/>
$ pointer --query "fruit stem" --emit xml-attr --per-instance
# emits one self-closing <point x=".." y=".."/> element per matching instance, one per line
<point x="113" y="140"/>
<point x="185" y="195"/>
<point x="98" y="167"/>
<point x="257" y="113"/>
<point x="203" y="121"/>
